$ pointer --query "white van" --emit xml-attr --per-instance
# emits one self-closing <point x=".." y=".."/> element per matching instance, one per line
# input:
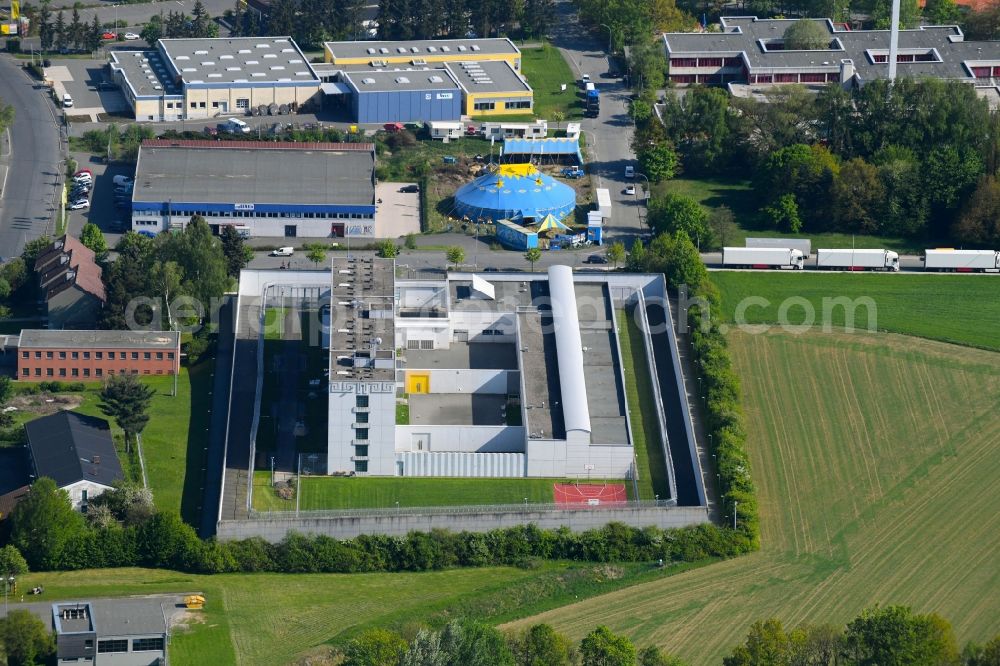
<point x="67" y="101"/>
<point x="283" y="252"/>
<point x="237" y="126"/>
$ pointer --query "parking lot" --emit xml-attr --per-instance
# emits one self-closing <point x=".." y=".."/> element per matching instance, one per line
<point x="86" y="81"/>
<point x="102" y="211"/>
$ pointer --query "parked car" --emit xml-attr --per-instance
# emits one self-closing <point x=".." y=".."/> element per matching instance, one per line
<point x="122" y="180"/>
<point x="67" y="101"/>
<point x="109" y="35"/>
<point x="572" y="172"/>
<point x="595" y="259"/>
<point x="584" y="80"/>
<point x="283" y="252"/>
<point x="212" y="131"/>
<point x="410" y="189"/>
<point x="131" y="36"/>
<point x="78" y="204"/>
<point x="81" y="172"/>
<point x="630" y="190"/>
<point x="630" y="171"/>
<point x="392" y="128"/>
<point x="81" y="176"/>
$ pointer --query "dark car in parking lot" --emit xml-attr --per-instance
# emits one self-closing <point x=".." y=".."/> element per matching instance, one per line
<point x="595" y="259"/>
<point x="410" y="189"/>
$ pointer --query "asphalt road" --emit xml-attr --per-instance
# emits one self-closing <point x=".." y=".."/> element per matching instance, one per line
<point x="31" y="195"/>
<point x="609" y="135"/>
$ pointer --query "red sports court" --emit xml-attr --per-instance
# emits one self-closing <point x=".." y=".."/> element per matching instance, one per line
<point x="589" y="494"/>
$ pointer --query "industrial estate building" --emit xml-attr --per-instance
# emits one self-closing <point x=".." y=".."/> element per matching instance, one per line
<point x="504" y="374"/>
<point x="110" y="632"/>
<point x="47" y="355"/>
<point x="203" y="78"/>
<point x="277" y="189"/>
<point x="428" y="80"/>
<point x="749" y="50"/>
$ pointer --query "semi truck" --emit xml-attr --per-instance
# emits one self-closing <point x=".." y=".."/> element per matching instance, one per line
<point x="803" y="245"/>
<point x="857" y="260"/>
<point x="762" y="257"/>
<point x="962" y="261"/>
<point x="593" y="102"/>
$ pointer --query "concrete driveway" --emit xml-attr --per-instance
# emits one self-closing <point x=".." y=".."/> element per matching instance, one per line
<point x="399" y="212"/>
<point x="82" y="80"/>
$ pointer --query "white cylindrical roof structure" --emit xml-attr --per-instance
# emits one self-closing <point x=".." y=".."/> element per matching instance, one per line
<point x="569" y="349"/>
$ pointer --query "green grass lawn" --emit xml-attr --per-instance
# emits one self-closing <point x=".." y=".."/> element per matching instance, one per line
<point x="963" y="309"/>
<point x="546" y="70"/>
<point x="738" y="195"/>
<point x="639" y="392"/>
<point x="330" y="492"/>
<point x="175" y="441"/>
<point x="875" y="457"/>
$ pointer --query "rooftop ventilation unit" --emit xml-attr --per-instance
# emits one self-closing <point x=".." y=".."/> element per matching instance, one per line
<point x="201" y="52"/>
<point x="401" y="49"/>
<point x="414" y="49"/>
<point x="461" y="47"/>
<point x="371" y="51"/>
<point x="402" y="79"/>
<point x="368" y="81"/>
<point x="475" y="47"/>
<point x="226" y="56"/>
<point x="378" y="63"/>
<point x="244" y="51"/>
<point x="435" y="79"/>
<point x="432" y="49"/>
<point x="417" y="62"/>
<point x="263" y="46"/>
<point x="446" y="49"/>
<point x="383" y="50"/>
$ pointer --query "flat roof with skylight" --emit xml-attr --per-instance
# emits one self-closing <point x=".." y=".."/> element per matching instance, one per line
<point x="235" y="60"/>
<point x="433" y="48"/>
<point x="488" y="77"/>
<point x="396" y="80"/>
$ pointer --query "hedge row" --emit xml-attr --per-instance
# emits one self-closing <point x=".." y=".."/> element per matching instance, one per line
<point x="164" y="541"/>
<point x="724" y="419"/>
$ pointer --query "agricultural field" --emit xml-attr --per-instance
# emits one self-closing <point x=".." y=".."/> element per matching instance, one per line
<point x="963" y="309"/>
<point x="332" y="492"/>
<point x="875" y="457"/>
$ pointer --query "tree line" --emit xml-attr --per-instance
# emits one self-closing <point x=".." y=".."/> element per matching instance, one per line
<point x="52" y="536"/>
<point x="917" y="160"/>
<point x="179" y="25"/>
<point x="452" y="19"/>
<point x="886" y="636"/>
<point x="471" y="643"/>
<point x="308" y="22"/>
<point x="76" y="34"/>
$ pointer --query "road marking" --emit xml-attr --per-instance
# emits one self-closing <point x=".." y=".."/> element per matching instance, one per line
<point x="3" y="185"/>
<point x="10" y="146"/>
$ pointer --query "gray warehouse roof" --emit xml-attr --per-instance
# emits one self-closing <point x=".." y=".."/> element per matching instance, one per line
<point x="238" y="60"/>
<point x="488" y="77"/>
<point x="212" y="172"/>
<point x="128" y="617"/>
<point x="147" y="72"/>
<point x="384" y="80"/>
<point x="44" y="338"/>
<point x="421" y="48"/>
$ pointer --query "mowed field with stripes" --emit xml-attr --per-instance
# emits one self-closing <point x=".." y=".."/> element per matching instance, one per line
<point x="876" y="458"/>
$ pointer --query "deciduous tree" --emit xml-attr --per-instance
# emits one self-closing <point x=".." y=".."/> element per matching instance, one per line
<point x="126" y="399"/>
<point x="455" y="255"/>
<point x="92" y="236"/>
<point x="375" y="647"/>
<point x="806" y="35"/>
<point x="42" y="524"/>
<point x="25" y="640"/>
<point x="601" y="647"/>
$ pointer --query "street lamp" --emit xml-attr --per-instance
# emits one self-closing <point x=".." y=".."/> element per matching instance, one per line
<point x="645" y="198"/>
<point x="609" y="36"/>
<point x="735" y="504"/>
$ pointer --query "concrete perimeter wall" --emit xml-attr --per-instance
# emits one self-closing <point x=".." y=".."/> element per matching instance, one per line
<point x="275" y="530"/>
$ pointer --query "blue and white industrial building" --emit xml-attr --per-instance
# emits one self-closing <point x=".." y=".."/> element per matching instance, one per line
<point x="280" y="189"/>
<point x="408" y="96"/>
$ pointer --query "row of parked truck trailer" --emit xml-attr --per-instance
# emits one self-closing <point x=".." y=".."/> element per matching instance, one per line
<point x="773" y="253"/>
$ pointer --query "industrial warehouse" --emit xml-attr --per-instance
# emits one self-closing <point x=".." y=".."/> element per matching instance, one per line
<point x="203" y="78"/>
<point x="503" y="375"/>
<point x="430" y="80"/>
<point x="279" y="189"/>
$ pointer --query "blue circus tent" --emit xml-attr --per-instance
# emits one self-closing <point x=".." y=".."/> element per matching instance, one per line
<point x="514" y="192"/>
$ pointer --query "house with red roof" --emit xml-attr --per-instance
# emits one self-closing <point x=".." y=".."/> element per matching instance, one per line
<point x="70" y="279"/>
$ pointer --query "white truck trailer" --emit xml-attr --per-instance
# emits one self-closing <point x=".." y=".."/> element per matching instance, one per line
<point x="762" y="257"/>
<point x="857" y="260"/>
<point x="803" y="245"/>
<point x="962" y="261"/>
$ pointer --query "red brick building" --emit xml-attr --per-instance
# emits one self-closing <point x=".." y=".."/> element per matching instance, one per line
<point x="45" y="355"/>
